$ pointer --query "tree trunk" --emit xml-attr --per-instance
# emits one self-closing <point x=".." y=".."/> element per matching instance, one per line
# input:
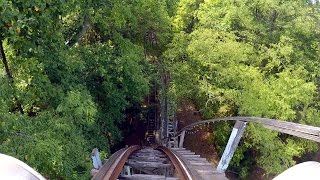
<point x="85" y="27"/>
<point x="9" y="75"/>
<point x="5" y="63"/>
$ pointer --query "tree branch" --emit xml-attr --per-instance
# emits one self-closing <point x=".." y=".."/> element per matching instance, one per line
<point x="5" y="63"/>
<point x="85" y="27"/>
<point x="9" y="74"/>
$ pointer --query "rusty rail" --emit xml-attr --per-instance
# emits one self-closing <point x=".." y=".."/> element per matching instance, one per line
<point x="112" y="169"/>
<point x="182" y="167"/>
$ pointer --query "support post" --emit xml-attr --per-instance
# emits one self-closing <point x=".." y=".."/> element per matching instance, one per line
<point x="127" y="170"/>
<point x="232" y="145"/>
<point x="96" y="161"/>
<point x="181" y="140"/>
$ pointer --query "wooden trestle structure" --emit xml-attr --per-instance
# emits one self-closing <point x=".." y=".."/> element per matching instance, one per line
<point x="156" y="163"/>
<point x="159" y="162"/>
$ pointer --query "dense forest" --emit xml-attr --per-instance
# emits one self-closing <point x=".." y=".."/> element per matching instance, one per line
<point x="70" y="70"/>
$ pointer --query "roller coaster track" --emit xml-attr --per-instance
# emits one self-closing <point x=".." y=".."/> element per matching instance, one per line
<point x="295" y="129"/>
<point x="154" y="163"/>
<point x="113" y="167"/>
<point x="178" y="163"/>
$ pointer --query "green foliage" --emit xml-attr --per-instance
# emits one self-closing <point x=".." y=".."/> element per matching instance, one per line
<point x="73" y="88"/>
<point x="48" y="142"/>
<point x="251" y="58"/>
<point x="185" y="19"/>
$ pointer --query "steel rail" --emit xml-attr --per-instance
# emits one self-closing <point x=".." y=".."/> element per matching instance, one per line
<point x="113" y="167"/>
<point x="295" y="129"/>
<point x="182" y="167"/>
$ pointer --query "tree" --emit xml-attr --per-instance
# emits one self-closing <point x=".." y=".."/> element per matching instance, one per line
<point x="252" y="58"/>
<point x="73" y="73"/>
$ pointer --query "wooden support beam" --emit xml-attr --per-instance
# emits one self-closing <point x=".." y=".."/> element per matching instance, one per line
<point x="127" y="170"/>
<point x="96" y="161"/>
<point x="186" y="153"/>
<point x="181" y="139"/>
<point x="149" y="159"/>
<point x="146" y="177"/>
<point x="145" y="164"/>
<point x="146" y="171"/>
<point x="232" y="145"/>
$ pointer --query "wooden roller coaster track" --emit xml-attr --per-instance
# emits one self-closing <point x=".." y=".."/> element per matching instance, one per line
<point x="136" y="156"/>
<point x="295" y="129"/>
<point x="186" y="164"/>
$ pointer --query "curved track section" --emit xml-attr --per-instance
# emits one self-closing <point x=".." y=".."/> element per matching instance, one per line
<point x="113" y="167"/>
<point x="182" y="167"/>
<point x="299" y="130"/>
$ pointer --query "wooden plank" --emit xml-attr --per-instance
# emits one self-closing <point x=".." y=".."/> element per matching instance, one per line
<point x="148" y="159"/>
<point x="196" y="163"/>
<point x="139" y="168"/>
<point x="190" y="155"/>
<point x="177" y="149"/>
<point x="143" y="164"/>
<point x="232" y="145"/>
<point x="147" y="154"/>
<point x="197" y="159"/>
<point x="148" y="150"/>
<point x="207" y="171"/>
<point x="145" y="157"/>
<point x="146" y="177"/>
<point x="203" y="167"/>
<point x="185" y="152"/>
